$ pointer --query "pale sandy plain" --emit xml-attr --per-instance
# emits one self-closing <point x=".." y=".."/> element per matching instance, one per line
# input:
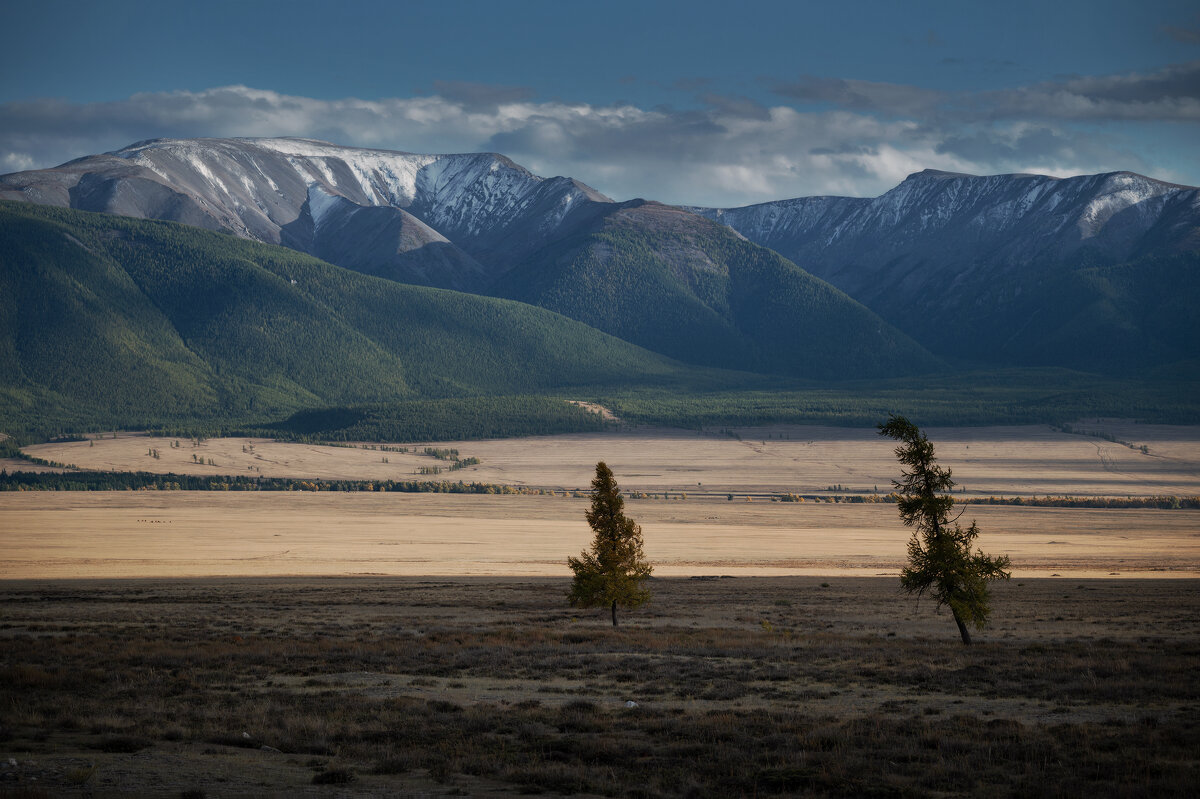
<point x="161" y="534"/>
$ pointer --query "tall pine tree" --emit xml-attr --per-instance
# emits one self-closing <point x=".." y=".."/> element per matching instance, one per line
<point x="613" y="570"/>
<point x="940" y="559"/>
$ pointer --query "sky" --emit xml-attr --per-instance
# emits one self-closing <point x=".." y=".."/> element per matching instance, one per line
<point x="698" y="102"/>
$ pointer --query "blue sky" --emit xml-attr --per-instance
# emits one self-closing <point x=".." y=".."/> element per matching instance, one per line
<point x="685" y="102"/>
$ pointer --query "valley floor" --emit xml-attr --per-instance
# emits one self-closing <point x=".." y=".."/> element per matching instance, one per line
<point x="300" y="643"/>
<point x="1139" y="460"/>
<point x="703" y="500"/>
<point x="203" y="533"/>
<point x="831" y="686"/>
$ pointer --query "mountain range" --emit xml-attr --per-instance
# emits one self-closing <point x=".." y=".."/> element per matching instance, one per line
<point x="107" y="319"/>
<point x="665" y="279"/>
<point x="944" y="272"/>
<point x="1097" y="271"/>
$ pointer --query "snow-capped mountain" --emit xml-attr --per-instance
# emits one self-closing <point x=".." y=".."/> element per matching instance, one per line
<point x="965" y="263"/>
<point x="1096" y="272"/>
<point x="941" y="226"/>
<point x="653" y="275"/>
<point x="444" y="220"/>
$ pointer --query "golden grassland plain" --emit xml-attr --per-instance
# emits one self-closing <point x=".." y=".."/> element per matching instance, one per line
<point x="369" y="686"/>
<point x="161" y="534"/>
<point x="147" y="534"/>
<point x="1031" y="460"/>
<point x="302" y="644"/>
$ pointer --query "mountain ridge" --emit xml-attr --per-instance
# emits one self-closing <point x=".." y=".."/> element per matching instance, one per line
<point x="466" y="222"/>
<point x="968" y="266"/>
<point x="262" y="189"/>
<point x="947" y="252"/>
<point x="139" y="322"/>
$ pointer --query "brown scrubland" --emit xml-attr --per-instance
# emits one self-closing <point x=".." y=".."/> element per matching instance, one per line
<point x="365" y="686"/>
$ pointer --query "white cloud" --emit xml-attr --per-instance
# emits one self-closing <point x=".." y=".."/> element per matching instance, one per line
<point x="1170" y="94"/>
<point x="16" y="162"/>
<point x="729" y="152"/>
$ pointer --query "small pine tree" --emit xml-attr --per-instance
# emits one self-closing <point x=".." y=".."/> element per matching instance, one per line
<point x="612" y="572"/>
<point x="940" y="560"/>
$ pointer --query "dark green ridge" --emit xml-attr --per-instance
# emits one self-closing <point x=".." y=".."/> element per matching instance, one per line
<point x="114" y="321"/>
<point x="693" y="289"/>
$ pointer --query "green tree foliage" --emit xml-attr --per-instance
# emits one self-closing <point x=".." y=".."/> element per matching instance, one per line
<point x="940" y="559"/>
<point x="994" y="397"/>
<point x="108" y="322"/>
<point x="613" y="570"/>
<point x="446" y="418"/>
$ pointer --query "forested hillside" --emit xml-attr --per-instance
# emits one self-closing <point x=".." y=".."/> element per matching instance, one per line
<point x="692" y="289"/>
<point x="124" y="322"/>
<point x="108" y="322"/>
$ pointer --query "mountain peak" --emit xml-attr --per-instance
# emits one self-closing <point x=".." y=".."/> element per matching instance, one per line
<point x="936" y="174"/>
<point x="283" y="190"/>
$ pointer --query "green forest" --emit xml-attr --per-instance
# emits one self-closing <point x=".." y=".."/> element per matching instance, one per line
<point x="699" y="292"/>
<point x="109" y="322"/>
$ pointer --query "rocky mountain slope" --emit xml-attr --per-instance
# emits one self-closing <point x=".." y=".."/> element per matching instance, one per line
<point x="483" y="224"/>
<point x="437" y="220"/>
<point x="974" y="266"/>
<point x="1095" y="272"/>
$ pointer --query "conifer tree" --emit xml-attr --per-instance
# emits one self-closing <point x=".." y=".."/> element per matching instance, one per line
<point x="612" y="571"/>
<point x="940" y="559"/>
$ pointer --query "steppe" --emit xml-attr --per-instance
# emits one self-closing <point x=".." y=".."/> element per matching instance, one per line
<point x="206" y="644"/>
<point x="707" y="508"/>
<point x="986" y="461"/>
<point x="407" y="686"/>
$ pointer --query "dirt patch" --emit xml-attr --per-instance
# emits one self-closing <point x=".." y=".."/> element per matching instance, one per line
<point x="604" y="413"/>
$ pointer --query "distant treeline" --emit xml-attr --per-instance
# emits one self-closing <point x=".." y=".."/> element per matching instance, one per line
<point x="450" y="419"/>
<point x="1164" y="502"/>
<point x="995" y="397"/>
<point x="145" y="481"/>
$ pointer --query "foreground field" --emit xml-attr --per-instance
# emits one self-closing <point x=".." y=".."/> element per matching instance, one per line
<point x="490" y="687"/>
<point x="1033" y="460"/>
<point x="201" y="533"/>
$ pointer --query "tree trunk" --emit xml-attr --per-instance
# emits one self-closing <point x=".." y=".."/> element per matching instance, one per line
<point x="614" y="612"/>
<point x="962" y="629"/>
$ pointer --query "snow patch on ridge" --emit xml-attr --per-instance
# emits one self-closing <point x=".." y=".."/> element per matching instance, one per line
<point x="472" y="194"/>
<point x="384" y="177"/>
<point x="929" y="202"/>
<point x="320" y="203"/>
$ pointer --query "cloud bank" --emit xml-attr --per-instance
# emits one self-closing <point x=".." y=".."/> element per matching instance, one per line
<point x="825" y="136"/>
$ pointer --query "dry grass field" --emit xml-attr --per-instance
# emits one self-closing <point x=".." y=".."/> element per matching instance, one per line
<point x="52" y="535"/>
<point x="212" y="644"/>
<point x="802" y="459"/>
<point x="164" y="534"/>
<point x="831" y="686"/>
